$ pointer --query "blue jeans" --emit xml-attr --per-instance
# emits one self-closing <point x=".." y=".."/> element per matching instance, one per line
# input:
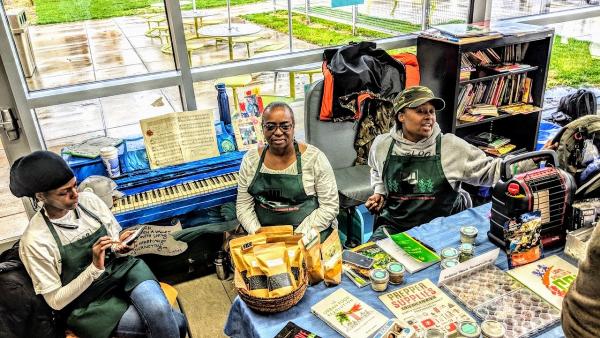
<point x="150" y="315"/>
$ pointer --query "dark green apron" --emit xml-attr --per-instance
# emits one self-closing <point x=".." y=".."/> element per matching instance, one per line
<point x="97" y="311"/>
<point x="280" y="199"/>
<point x="417" y="190"/>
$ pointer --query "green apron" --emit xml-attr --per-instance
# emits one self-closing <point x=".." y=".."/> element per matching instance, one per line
<point x="280" y="199"/>
<point x="417" y="190"/>
<point x="97" y="311"/>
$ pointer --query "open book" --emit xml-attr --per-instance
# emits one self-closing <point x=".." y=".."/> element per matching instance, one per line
<point x="348" y="315"/>
<point x="177" y="138"/>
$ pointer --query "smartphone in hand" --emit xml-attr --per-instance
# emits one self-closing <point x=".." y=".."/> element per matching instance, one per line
<point x="357" y="259"/>
<point x="135" y="235"/>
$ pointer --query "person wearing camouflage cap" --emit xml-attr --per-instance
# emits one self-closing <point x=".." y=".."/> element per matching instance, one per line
<point x="416" y="171"/>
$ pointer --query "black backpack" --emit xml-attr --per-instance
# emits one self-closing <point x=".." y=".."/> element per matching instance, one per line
<point x="573" y="106"/>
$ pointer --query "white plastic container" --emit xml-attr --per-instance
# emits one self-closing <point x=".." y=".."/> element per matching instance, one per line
<point x="110" y="158"/>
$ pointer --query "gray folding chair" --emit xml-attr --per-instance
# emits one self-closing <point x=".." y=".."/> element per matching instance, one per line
<point x="336" y="140"/>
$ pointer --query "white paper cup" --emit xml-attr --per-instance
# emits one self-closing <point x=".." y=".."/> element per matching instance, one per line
<point x="110" y="158"/>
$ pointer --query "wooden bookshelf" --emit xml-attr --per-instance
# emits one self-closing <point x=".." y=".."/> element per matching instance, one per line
<point x="440" y="66"/>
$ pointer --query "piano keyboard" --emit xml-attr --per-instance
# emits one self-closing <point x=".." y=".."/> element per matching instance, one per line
<point x="160" y="196"/>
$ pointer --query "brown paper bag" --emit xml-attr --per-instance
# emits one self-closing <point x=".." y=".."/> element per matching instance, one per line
<point x="274" y="262"/>
<point x="311" y="250"/>
<point x="331" y="252"/>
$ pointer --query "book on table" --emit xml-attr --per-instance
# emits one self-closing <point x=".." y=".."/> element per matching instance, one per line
<point x="423" y="306"/>
<point x="413" y="254"/>
<point x="291" y="330"/>
<point x="550" y="278"/>
<point x="348" y="315"/>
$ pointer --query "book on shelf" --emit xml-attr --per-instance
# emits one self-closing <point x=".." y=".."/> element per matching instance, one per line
<point x="463" y="30"/>
<point x="483" y="109"/>
<point x="423" y="306"/>
<point x="500" y="151"/>
<point x="435" y="34"/>
<point x="291" y="330"/>
<point x="348" y="315"/>
<point x="413" y="254"/>
<point x="519" y="108"/>
<point x="467" y="118"/>
<point x="514" y="28"/>
<point x="499" y="91"/>
<point x="488" y="140"/>
<point x="550" y="278"/>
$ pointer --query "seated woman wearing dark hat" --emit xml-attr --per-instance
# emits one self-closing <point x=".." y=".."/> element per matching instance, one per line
<point x="63" y="250"/>
<point x="416" y="171"/>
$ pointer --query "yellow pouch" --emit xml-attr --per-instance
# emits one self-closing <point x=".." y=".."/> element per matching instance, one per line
<point x="310" y="245"/>
<point x="273" y="260"/>
<point x="331" y="252"/>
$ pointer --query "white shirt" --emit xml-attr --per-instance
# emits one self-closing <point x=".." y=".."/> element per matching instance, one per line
<point x="317" y="178"/>
<point x="40" y="255"/>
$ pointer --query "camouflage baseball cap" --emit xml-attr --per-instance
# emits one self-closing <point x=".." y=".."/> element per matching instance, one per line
<point x="415" y="96"/>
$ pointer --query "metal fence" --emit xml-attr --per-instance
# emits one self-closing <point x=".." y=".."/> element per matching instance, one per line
<point x="502" y="9"/>
<point x="405" y="16"/>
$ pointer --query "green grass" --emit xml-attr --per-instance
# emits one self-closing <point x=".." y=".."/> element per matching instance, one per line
<point x="320" y="32"/>
<point x="57" y="11"/>
<point x="572" y="65"/>
<point x="389" y="24"/>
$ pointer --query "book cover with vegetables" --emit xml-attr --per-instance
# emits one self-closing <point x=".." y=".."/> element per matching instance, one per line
<point x="348" y="315"/>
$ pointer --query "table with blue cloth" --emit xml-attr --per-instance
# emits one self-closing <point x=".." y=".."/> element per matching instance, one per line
<point x="439" y="233"/>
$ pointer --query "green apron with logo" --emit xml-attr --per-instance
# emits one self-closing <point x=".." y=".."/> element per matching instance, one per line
<point x="98" y="310"/>
<point x="280" y="199"/>
<point x="417" y="190"/>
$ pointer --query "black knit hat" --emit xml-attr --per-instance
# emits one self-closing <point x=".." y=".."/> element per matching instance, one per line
<point x="39" y="171"/>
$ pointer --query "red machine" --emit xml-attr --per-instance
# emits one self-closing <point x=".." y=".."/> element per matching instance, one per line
<point x="546" y="189"/>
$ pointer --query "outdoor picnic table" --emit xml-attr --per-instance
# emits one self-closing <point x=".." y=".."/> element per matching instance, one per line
<point x="229" y="32"/>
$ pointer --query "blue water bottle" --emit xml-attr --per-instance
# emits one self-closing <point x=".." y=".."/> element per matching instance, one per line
<point x="223" y="101"/>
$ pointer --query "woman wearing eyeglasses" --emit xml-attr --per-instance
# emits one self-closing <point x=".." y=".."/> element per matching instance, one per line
<point x="286" y="182"/>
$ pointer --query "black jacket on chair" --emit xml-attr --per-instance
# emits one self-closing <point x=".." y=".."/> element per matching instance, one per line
<point x="22" y="312"/>
<point x="362" y="67"/>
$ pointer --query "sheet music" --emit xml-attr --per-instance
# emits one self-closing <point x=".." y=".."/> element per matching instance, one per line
<point x="198" y="135"/>
<point x="177" y="138"/>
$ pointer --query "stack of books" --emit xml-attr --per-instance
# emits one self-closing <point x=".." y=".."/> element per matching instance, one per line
<point x="519" y="108"/>
<point x="478" y="112"/>
<point x="491" y="144"/>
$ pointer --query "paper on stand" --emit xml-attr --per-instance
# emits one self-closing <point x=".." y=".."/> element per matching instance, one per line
<point x="179" y="137"/>
<point x="471" y="264"/>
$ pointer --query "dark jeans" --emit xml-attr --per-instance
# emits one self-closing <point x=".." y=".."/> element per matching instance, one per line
<point x="150" y="315"/>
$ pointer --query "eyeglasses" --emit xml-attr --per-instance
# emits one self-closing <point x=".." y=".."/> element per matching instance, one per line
<point x="285" y="127"/>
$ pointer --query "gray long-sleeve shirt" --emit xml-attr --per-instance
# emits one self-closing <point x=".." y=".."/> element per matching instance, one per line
<point x="461" y="161"/>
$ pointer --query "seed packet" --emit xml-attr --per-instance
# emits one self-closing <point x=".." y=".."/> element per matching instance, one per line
<point x="239" y="247"/>
<point x="256" y="279"/>
<point x="311" y="250"/>
<point x="273" y="261"/>
<point x="523" y="238"/>
<point x="331" y="253"/>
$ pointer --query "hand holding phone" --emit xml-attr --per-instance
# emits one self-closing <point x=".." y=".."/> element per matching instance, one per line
<point x="357" y="259"/>
<point x="135" y="235"/>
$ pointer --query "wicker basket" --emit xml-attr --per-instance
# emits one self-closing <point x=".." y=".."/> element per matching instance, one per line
<point x="279" y="304"/>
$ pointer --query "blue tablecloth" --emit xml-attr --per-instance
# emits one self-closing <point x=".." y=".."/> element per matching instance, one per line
<point x="439" y="233"/>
